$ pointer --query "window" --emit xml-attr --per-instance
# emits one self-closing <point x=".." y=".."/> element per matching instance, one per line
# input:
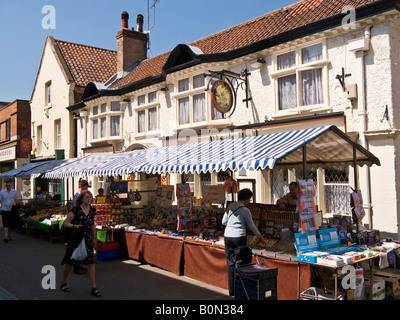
<point x="40" y="140"/>
<point x="147" y="113"/>
<point x="337" y="190"/>
<point x="48" y="93"/>
<point x="300" y="77"/>
<point x="192" y="105"/>
<point x="55" y="186"/>
<point x="57" y="131"/>
<point x="5" y="130"/>
<point x="106" y="122"/>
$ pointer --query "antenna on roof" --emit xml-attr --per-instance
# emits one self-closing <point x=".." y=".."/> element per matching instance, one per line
<point x="153" y="6"/>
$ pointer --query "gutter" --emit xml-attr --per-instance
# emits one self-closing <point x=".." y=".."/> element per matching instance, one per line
<point x="331" y="22"/>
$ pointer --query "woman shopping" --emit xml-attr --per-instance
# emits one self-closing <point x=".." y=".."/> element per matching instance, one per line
<point x="236" y="218"/>
<point x="81" y="219"/>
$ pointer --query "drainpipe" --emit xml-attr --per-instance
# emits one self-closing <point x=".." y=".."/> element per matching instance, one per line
<point x="83" y="114"/>
<point x="360" y="47"/>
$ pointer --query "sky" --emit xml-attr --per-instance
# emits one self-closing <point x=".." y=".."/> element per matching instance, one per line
<point x="25" y="24"/>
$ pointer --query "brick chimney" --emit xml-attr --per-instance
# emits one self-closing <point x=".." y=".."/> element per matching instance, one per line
<point x="131" y="45"/>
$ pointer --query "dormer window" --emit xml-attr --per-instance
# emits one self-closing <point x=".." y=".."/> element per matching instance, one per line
<point x="105" y="120"/>
<point x="301" y="79"/>
<point x="147" y="113"/>
<point x="193" y="108"/>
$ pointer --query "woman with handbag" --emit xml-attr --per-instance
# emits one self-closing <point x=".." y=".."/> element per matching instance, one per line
<point x="236" y="219"/>
<point x="81" y="219"/>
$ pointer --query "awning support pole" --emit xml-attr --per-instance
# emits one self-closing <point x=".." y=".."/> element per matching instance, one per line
<point x="304" y="162"/>
<point x="355" y="182"/>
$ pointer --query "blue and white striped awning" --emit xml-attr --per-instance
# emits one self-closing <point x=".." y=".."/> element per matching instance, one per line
<point x="80" y="166"/>
<point x="325" y="146"/>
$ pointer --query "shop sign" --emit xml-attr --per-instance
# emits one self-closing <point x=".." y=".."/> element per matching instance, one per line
<point x="213" y="194"/>
<point x="7" y="154"/>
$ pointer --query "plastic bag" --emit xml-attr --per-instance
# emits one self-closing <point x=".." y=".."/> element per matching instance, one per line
<point x="80" y="252"/>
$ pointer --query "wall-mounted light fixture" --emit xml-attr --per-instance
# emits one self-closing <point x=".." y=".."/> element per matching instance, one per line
<point x="258" y="63"/>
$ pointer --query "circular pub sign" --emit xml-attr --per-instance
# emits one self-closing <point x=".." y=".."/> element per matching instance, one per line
<point x="222" y="96"/>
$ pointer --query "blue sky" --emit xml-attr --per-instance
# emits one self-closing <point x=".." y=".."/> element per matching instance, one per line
<point x="96" y="22"/>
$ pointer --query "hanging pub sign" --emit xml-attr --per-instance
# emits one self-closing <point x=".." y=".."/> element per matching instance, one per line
<point x="222" y="96"/>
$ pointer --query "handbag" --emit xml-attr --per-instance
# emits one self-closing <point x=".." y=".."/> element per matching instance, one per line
<point x="66" y="233"/>
<point x="80" y="252"/>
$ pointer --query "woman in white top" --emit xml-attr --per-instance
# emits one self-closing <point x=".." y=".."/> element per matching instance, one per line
<point x="236" y="219"/>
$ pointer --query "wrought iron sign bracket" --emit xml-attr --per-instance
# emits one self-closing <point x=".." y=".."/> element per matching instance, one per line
<point x="341" y="78"/>
<point x="235" y="80"/>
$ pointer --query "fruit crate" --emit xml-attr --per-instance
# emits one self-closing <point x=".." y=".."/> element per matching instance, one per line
<point x="107" y="245"/>
<point x="107" y="255"/>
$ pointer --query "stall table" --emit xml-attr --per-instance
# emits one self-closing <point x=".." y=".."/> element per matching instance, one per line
<point x="43" y="229"/>
<point x="335" y="271"/>
<point x="161" y="251"/>
<point x="206" y="263"/>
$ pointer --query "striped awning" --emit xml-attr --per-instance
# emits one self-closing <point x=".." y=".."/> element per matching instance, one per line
<point x="325" y="146"/>
<point x="35" y="169"/>
<point x="81" y="166"/>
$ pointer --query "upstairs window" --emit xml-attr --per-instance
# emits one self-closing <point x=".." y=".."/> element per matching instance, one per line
<point x="147" y="113"/>
<point x="300" y="78"/>
<point x="48" y="93"/>
<point x="192" y="106"/>
<point x="105" y="121"/>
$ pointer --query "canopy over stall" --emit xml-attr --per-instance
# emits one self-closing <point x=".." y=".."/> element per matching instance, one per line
<point x="316" y="147"/>
<point x="35" y="169"/>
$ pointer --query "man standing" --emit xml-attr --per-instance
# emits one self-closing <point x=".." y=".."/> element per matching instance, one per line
<point x="8" y="198"/>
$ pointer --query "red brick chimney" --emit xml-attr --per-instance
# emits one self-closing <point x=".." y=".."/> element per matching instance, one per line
<point x="131" y="45"/>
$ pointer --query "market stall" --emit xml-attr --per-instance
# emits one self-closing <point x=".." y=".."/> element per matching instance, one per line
<point x="192" y="234"/>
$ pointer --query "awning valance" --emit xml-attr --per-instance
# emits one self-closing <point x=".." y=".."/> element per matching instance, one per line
<point x="35" y="169"/>
<point x="325" y="146"/>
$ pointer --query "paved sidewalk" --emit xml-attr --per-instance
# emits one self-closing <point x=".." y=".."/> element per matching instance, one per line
<point x="23" y="259"/>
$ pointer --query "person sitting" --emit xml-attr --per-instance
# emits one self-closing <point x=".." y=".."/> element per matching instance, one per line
<point x="290" y="198"/>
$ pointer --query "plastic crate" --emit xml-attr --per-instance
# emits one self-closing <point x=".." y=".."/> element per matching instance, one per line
<point x="107" y="245"/>
<point x="320" y="294"/>
<point x="102" y="235"/>
<point x="107" y="255"/>
<point x="256" y="282"/>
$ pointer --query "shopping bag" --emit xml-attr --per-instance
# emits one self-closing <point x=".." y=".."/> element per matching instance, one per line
<point x="80" y="252"/>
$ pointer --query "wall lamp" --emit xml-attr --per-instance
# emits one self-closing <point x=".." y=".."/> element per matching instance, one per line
<point x="258" y="63"/>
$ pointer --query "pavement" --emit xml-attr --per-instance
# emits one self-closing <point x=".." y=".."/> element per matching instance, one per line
<point x="30" y="269"/>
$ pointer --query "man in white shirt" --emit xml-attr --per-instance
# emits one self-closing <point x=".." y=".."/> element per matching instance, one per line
<point x="8" y="198"/>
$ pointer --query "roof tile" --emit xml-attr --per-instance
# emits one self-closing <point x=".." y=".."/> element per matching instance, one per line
<point x="87" y="63"/>
<point x="273" y="23"/>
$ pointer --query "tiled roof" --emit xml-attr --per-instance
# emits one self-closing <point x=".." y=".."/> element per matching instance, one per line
<point x="268" y="25"/>
<point x="88" y="64"/>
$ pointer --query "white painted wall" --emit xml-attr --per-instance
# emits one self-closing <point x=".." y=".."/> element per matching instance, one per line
<point x="61" y="99"/>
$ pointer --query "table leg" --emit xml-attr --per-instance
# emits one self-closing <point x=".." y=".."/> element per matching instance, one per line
<point x="336" y="285"/>
<point x="371" y="278"/>
<point x="298" y="281"/>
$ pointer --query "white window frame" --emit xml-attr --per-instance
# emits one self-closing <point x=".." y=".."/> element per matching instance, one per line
<point x="103" y="113"/>
<point x="58" y="134"/>
<point x="39" y="131"/>
<point x="48" y="93"/>
<point x="297" y="69"/>
<point x="144" y="103"/>
<point x="191" y="93"/>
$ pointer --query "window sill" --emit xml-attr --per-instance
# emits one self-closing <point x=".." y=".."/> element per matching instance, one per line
<point x="300" y="111"/>
<point x="206" y="124"/>
<point x="107" y="139"/>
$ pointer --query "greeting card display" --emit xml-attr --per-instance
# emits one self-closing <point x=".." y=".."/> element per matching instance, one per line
<point x="308" y="209"/>
<point x="358" y="205"/>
